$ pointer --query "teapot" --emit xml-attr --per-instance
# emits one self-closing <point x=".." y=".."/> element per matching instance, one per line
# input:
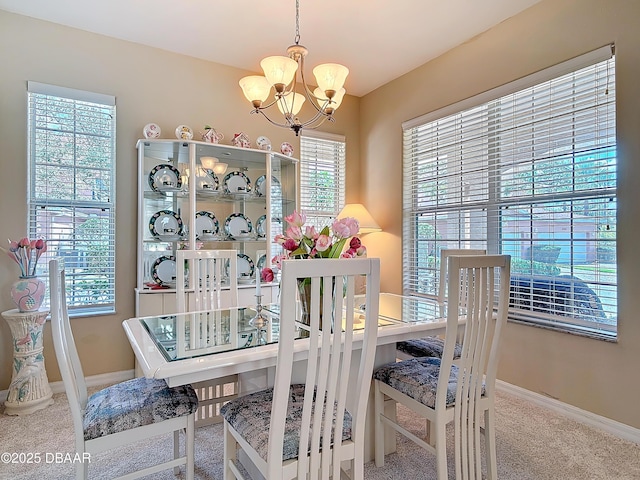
<point x="210" y="135"/>
<point x="241" y="140"/>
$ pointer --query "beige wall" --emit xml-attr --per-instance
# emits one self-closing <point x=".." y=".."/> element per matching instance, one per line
<point x="593" y="375"/>
<point x="150" y="85"/>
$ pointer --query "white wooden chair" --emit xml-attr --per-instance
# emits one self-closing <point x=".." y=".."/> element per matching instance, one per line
<point x="445" y="390"/>
<point x="205" y="270"/>
<point x="434" y="346"/>
<point x="121" y="414"/>
<point x="282" y="429"/>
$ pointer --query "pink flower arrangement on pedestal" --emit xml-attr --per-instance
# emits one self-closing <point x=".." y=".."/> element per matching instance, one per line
<point x="26" y="254"/>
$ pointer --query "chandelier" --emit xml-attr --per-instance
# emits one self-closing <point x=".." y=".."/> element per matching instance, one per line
<point x="280" y="73"/>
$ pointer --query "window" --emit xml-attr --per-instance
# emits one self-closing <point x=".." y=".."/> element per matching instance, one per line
<point x="71" y="192"/>
<point x="322" y="176"/>
<point x="529" y="170"/>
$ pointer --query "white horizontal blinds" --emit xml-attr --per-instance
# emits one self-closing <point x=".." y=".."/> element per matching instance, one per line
<point x="71" y="189"/>
<point x="322" y="177"/>
<point x="445" y="195"/>
<point x="531" y="174"/>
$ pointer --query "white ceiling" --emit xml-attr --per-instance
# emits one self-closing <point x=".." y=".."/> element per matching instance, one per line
<point x="378" y="40"/>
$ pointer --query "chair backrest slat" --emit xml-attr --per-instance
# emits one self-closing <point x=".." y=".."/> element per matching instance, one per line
<point x="206" y="269"/>
<point x="65" y="347"/>
<point x="336" y="381"/>
<point x="472" y="297"/>
<point x="445" y="253"/>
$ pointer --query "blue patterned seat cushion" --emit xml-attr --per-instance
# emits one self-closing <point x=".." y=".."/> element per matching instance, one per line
<point x="135" y="403"/>
<point x="426" y="347"/>
<point x="418" y="378"/>
<point x="250" y="416"/>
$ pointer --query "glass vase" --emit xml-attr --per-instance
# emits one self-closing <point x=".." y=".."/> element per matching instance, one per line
<point x="304" y="294"/>
<point x="28" y="293"/>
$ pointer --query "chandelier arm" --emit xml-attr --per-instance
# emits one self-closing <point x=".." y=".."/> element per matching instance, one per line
<point x="314" y="122"/>
<point x="320" y="120"/>
<point x="283" y="125"/>
<point x="308" y="93"/>
<point x="318" y="115"/>
<point x="264" y="107"/>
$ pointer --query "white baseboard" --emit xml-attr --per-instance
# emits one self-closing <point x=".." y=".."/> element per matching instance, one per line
<point x="617" y="429"/>
<point x="92" y="381"/>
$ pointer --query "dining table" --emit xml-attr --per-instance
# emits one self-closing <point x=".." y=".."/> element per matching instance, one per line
<point x="198" y="346"/>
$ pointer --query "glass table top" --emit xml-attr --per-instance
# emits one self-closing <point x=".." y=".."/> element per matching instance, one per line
<point x="190" y="335"/>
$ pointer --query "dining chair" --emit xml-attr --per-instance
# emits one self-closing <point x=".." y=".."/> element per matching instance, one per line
<point x="120" y="414"/>
<point x="443" y="390"/>
<point x="308" y="427"/>
<point x="433" y="346"/>
<point x="205" y="270"/>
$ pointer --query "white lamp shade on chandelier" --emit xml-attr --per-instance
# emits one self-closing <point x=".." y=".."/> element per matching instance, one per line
<point x="322" y="100"/>
<point x="256" y="89"/>
<point x="279" y="70"/>
<point x="291" y="103"/>
<point x="280" y="73"/>
<point x="330" y="76"/>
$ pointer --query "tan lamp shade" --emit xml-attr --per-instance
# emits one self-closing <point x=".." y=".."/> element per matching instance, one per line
<point x="360" y="213"/>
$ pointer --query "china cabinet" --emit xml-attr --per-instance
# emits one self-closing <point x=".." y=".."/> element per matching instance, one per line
<point x="183" y="203"/>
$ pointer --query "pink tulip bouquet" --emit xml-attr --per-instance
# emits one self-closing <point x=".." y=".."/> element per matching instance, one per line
<point x="26" y="254"/>
<point x="331" y="242"/>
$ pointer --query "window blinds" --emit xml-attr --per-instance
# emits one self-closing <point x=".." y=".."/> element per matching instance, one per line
<point x="71" y="190"/>
<point x="322" y="177"/>
<point x="531" y="174"/>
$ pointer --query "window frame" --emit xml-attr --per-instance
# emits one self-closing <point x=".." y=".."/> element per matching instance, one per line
<point x="86" y="293"/>
<point x="493" y="237"/>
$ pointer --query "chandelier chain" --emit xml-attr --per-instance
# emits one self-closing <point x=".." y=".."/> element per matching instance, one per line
<point x="297" y="37"/>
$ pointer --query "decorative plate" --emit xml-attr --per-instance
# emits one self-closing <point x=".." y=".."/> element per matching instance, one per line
<point x="206" y="225"/>
<point x="163" y="270"/>
<point x="236" y="182"/>
<point x="262" y="261"/>
<point x="165" y="178"/>
<point x="184" y="132"/>
<point x="166" y="225"/>
<point x="208" y="182"/>
<point x="286" y="148"/>
<point x="263" y="143"/>
<point x="151" y="130"/>
<point x="238" y="226"/>
<point x="261" y="184"/>
<point x="246" y="267"/>
<point x="260" y="226"/>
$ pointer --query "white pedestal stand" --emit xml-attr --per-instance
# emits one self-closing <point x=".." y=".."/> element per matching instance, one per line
<point x="29" y="389"/>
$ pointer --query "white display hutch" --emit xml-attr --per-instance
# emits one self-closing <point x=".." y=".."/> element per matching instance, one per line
<point x="186" y="189"/>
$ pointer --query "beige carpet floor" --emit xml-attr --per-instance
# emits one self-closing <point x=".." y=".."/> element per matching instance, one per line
<point x="532" y="444"/>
